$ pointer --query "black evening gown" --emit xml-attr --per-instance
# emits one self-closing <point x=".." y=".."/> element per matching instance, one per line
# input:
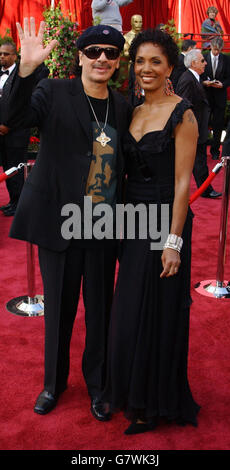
<point x="149" y="331"/>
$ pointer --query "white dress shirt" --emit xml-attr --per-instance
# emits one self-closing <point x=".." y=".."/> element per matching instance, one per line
<point x="214" y="60"/>
<point x="4" y="77"/>
<point x="195" y="74"/>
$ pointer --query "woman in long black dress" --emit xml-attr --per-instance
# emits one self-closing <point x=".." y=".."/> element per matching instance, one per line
<point x="148" y="344"/>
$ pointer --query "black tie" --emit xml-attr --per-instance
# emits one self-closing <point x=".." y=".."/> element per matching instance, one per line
<point x="4" y="72"/>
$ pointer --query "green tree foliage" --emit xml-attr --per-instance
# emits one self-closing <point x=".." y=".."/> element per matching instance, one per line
<point x="170" y="28"/>
<point x="7" y="37"/>
<point x="61" y="59"/>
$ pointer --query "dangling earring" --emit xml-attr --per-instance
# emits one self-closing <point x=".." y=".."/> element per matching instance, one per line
<point x="168" y="89"/>
<point x="137" y="89"/>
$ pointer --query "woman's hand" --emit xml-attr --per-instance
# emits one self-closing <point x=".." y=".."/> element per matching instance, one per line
<point x="171" y="262"/>
<point x="33" y="53"/>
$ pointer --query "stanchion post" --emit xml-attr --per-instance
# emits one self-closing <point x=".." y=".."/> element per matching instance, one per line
<point x="223" y="223"/>
<point x="30" y="305"/>
<point x="30" y="269"/>
<point x="30" y="253"/>
<point x="219" y="288"/>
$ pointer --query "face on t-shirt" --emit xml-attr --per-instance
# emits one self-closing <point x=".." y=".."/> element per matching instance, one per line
<point x="101" y="184"/>
<point x="102" y="177"/>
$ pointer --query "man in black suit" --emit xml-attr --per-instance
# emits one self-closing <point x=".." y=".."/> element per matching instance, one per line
<point x="189" y="87"/>
<point x="81" y="124"/>
<point x="13" y="142"/>
<point x="179" y="69"/>
<point x="216" y="79"/>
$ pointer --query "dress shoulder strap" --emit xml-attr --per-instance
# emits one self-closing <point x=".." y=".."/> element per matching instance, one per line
<point x="178" y="112"/>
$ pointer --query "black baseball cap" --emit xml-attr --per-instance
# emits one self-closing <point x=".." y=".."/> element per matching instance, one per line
<point x="101" y="34"/>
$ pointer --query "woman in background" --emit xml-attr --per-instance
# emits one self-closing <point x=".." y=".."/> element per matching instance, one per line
<point x="210" y="27"/>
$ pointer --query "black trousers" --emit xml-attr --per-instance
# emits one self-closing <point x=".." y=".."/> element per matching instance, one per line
<point x="94" y="264"/>
<point x="200" y="169"/>
<point x="12" y="156"/>
<point x="217" y="122"/>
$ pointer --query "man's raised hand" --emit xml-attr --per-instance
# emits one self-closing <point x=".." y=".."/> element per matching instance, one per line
<point x="33" y="52"/>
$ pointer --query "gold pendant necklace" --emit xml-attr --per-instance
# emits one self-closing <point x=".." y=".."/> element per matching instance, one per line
<point x="103" y="139"/>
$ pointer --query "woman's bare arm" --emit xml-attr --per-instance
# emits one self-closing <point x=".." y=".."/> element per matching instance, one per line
<point x="186" y="135"/>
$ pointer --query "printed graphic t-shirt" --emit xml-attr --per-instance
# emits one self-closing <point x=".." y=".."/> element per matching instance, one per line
<point x="102" y="179"/>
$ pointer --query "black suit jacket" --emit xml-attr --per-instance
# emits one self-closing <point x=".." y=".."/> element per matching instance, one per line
<point x="17" y="137"/>
<point x="219" y="95"/>
<point x="189" y="87"/>
<point x="178" y="70"/>
<point x="60" y="109"/>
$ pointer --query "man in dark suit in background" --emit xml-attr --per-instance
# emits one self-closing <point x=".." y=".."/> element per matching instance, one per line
<point x="13" y="142"/>
<point x="216" y="79"/>
<point x="189" y="87"/>
<point x="187" y="45"/>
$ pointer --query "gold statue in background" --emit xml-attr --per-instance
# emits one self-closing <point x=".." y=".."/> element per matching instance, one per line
<point x="136" y="23"/>
<point x="135" y="92"/>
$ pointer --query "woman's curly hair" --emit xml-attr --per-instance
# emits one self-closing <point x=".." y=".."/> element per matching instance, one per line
<point x="161" y="39"/>
<point x="212" y="9"/>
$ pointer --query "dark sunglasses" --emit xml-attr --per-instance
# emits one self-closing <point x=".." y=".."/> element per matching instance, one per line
<point x="95" y="52"/>
<point x="5" y="53"/>
<point x="202" y="60"/>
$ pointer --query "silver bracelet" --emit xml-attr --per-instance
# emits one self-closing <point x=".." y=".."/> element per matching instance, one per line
<point x="174" y="242"/>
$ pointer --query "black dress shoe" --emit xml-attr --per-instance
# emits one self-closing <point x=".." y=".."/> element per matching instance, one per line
<point x="45" y="403"/>
<point x="138" y="428"/>
<point x="7" y="206"/>
<point x="10" y="211"/>
<point x="99" y="410"/>
<point x="213" y="194"/>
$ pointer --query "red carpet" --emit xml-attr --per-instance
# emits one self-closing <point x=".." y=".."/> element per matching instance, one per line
<point x="71" y="425"/>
